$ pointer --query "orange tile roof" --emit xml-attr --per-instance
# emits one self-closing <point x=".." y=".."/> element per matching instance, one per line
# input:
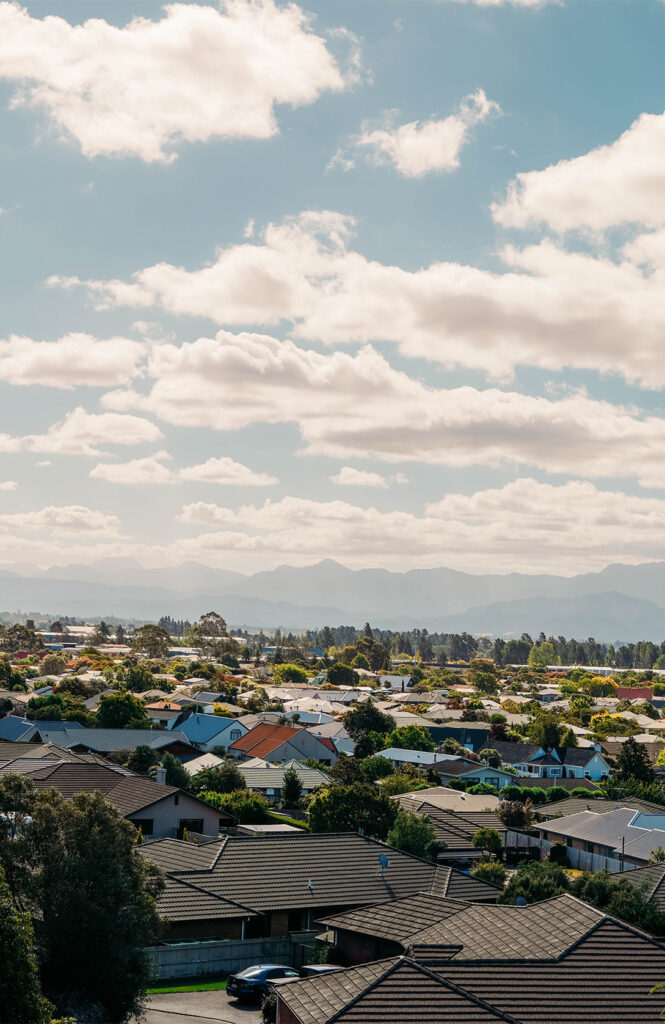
<point x="263" y="739"/>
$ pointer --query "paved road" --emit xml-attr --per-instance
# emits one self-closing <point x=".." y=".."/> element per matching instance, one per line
<point x="199" y="1007"/>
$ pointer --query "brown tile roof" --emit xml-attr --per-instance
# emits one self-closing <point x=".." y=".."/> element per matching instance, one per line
<point x="457" y="885"/>
<point x="182" y="901"/>
<point x="127" y="792"/>
<point x="606" y="979"/>
<point x="495" y="932"/>
<point x="397" y="919"/>
<point x="396" y="991"/>
<point x="457" y="828"/>
<point x="281" y="871"/>
<point x="177" y="855"/>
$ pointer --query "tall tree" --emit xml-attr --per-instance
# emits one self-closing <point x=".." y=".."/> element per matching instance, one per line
<point x="633" y="762"/>
<point x="21" y="1000"/>
<point x="415" y="834"/>
<point x="152" y="641"/>
<point x="352" y="809"/>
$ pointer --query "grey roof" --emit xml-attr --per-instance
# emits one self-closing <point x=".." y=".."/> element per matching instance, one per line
<point x="457" y="885"/>
<point x="273" y="777"/>
<point x="515" y="753"/>
<point x="270" y="872"/>
<point x="457" y="828"/>
<point x="115" y="739"/>
<point x="177" y="855"/>
<point x="575" y="804"/>
<point x="608" y="830"/>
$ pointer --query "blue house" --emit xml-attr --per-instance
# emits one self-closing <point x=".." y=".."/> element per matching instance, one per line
<point x="208" y="731"/>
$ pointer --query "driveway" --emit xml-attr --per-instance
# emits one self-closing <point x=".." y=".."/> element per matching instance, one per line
<point x="199" y="1007"/>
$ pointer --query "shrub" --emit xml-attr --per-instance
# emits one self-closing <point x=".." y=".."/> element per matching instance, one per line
<point x="490" y="871"/>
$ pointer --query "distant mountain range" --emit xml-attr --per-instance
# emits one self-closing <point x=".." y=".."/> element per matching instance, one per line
<point x="620" y="603"/>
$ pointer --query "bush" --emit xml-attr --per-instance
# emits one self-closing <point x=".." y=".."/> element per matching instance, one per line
<point x="245" y="808"/>
<point x="376" y="767"/>
<point x="414" y="834"/>
<point x="290" y="673"/>
<point x="401" y="782"/>
<point x="536" y="882"/>
<point x="515" y="814"/>
<point x="558" y="854"/>
<point x="483" y="789"/>
<point x="490" y="871"/>
<point x="556" y="793"/>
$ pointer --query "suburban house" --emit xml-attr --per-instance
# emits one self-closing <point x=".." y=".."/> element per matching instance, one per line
<point x="163" y="713"/>
<point x="25" y="730"/>
<point x="470" y="772"/>
<point x="280" y="743"/>
<point x="399" y="757"/>
<point x="269" y="780"/>
<point x="208" y="731"/>
<point x="557" y="762"/>
<point x="573" y="805"/>
<point x="158" y="810"/>
<point x="554" y="962"/>
<point x="275" y="884"/>
<point x="107" y="741"/>
<point x="472" y="735"/>
<point x="446" y="800"/>
<point x="623" y="837"/>
<point x="390" y="928"/>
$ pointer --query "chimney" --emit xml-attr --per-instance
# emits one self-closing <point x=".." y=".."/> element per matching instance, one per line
<point x="160" y="776"/>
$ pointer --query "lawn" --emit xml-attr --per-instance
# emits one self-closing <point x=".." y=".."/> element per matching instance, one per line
<point x="216" y="985"/>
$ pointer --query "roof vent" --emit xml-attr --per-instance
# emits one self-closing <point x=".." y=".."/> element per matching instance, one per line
<point x="160" y="776"/>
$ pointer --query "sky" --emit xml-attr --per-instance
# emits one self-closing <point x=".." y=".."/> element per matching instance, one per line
<point x="374" y="280"/>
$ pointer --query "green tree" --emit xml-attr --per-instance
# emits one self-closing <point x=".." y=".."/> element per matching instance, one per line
<point x="411" y="737"/>
<point x="20" y="638"/>
<point x="222" y="778"/>
<point x="21" y="1000"/>
<point x="211" y="636"/>
<point x="121" y="711"/>
<point x="91" y="895"/>
<point x="569" y="739"/>
<point x="143" y="758"/>
<point x="352" y="809"/>
<point x="361" y="661"/>
<point x="291" y="788"/>
<point x="377" y="655"/>
<point x="376" y="767"/>
<point x="633" y="763"/>
<point x="402" y="782"/>
<point x="245" y="808"/>
<point x="535" y="882"/>
<point x="289" y="673"/>
<point x="515" y="814"/>
<point x="342" y="675"/>
<point x="485" y="682"/>
<point x="489" y="841"/>
<point x="415" y="834"/>
<point x="366" y="718"/>
<point x="176" y="773"/>
<point x="139" y="678"/>
<point x="153" y="641"/>
<point x="545" y="731"/>
<point x="493" y="757"/>
<point x="619" y="897"/>
<point x="52" y="665"/>
<point x="542" y="655"/>
<point x="490" y="871"/>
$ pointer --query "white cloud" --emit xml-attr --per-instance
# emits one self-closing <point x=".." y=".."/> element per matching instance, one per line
<point x="43" y="462"/>
<point x="198" y="73"/>
<point x="350" y="477"/>
<point x="358" y="406"/>
<point x="151" y="470"/>
<point x="72" y="361"/>
<point x="524" y="526"/>
<point x="623" y="182"/>
<point x="82" y="433"/>
<point x="8" y="485"/>
<point x="62" y="519"/>
<point x="226" y="471"/>
<point x="423" y="147"/>
<point x="536" y="313"/>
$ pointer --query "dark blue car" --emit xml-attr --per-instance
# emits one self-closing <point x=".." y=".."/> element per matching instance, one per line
<point x="250" y="985"/>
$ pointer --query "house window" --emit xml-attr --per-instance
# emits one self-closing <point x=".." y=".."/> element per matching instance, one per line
<point x="191" y="824"/>
<point x="235" y="734"/>
<point x="145" y="824"/>
<point x="555" y="771"/>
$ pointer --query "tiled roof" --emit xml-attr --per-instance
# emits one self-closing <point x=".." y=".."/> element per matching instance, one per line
<point x="457" y="766"/>
<point x="397" y="919"/>
<point x="493" y="932"/>
<point x="609" y="830"/>
<point x="446" y="799"/>
<point x="264" y="738"/>
<point x="652" y="878"/>
<point x="604" y="980"/>
<point x="573" y="805"/>
<point x="393" y="991"/>
<point x="456" y="828"/>
<point x="177" y="855"/>
<point x="182" y="901"/>
<point x="281" y="871"/>
<point x="127" y="792"/>
<point x="515" y="753"/>
<point x="104" y="740"/>
<point x="273" y="777"/>
<point x="457" y="885"/>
